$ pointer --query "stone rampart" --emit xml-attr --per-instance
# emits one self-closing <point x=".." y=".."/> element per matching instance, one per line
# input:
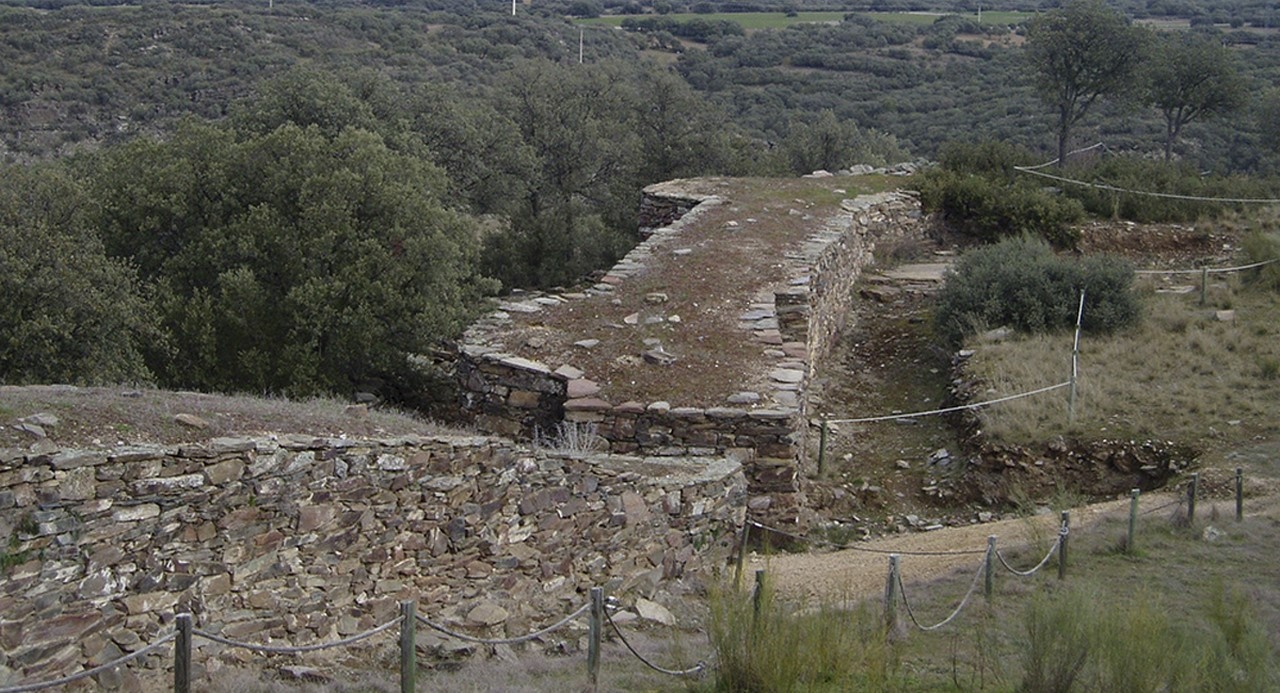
<point x="294" y="540"/>
<point x="794" y="322"/>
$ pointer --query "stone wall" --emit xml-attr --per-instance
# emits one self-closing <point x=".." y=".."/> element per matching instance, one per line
<point x="298" y="539"/>
<point x="796" y="321"/>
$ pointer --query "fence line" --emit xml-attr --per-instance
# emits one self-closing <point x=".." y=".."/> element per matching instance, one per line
<point x="964" y="601"/>
<point x="286" y="649"/>
<point x="79" y="675"/>
<point x="1209" y="270"/>
<point x="1057" y="543"/>
<point x="505" y="641"/>
<point x="947" y="410"/>
<point x="865" y="549"/>
<point x="1031" y="170"/>
<point x="694" y="670"/>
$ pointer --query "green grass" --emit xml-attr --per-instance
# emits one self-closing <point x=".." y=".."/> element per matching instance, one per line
<point x="777" y="20"/>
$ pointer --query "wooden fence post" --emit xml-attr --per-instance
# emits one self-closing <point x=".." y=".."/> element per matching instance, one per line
<point x="891" y="596"/>
<point x="1133" y="521"/>
<point x="182" y="655"/>
<point x="1062" y="545"/>
<point x="595" y="634"/>
<point x="1239" y="494"/>
<point x="1204" y="285"/>
<point x="408" y="646"/>
<point x="757" y="598"/>
<point x="1191" y="497"/>
<point x="989" y="567"/>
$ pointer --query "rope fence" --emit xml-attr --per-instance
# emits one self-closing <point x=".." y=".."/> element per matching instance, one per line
<point x="283" y="649"/>
<point x="948" y="410"/>
<point x="600" y="615"/>
<point x="507" y="641"/>
<point x="1032" y="170"/>
<point x="694" y="670"/>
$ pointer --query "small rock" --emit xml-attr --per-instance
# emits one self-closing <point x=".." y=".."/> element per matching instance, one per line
<point x="659" y="357"/>
<point x="673" y="318"/>
<point x="653" y="611"/>
<point x="297" y="672"/>
<point x="902" y="464"/>
<point x="1225" y="316"/>
<point x="985" y="516"/>
<point x="42" y="419"/>
<point x="569" y="372"/>
<point x="587" y="343"/>
<point x="744" y="398"/>
<point x="582" y="388"/>
<point x="682" y="251"/>
<point x="656" y="298"/>
<point x="191" y="421"/>
<point x="633" y="319"/>
<point x="535" y="342"/>
<point x="31" y="429"/>
<point x="487" y="614"/>
<point x="1212" y="534"/>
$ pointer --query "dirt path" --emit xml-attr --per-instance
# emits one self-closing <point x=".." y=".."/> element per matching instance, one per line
<point x="859" y="573"/>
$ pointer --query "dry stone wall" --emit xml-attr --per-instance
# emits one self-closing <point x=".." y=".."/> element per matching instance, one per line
<point x="299" y="539"/>
<point x="796" y="322"/>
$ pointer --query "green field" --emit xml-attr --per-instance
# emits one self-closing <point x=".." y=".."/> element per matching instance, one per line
<point x="775" y="20"/>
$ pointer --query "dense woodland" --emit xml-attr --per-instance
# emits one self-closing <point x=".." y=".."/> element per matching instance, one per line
<point x="309" y="197"/>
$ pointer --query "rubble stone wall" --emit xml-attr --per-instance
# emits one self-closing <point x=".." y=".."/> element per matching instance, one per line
<point x="799" y="319"/>
<point x="294" y="540"/>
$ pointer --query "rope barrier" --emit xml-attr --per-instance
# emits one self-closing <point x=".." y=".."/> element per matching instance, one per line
<point x="1172" y="196"/>
<point x="947" y="410"/>
<point x="698" y="668"/>
<point x="1158" y="508"/>
<point x="506" y="641"/>
<point x="973" y="586"/>
<point x="1210" y="270"/>
<point x="866" y="549"/>
<point x="1043" y="562"/>
<point x="1070" y="153"/>
<point x="282" y="649"/>
<point x="24" y="688"/>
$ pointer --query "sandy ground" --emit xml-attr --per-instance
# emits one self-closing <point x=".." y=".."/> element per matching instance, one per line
<point x="860" y="572"/>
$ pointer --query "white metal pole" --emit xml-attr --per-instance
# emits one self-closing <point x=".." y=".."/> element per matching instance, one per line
<point x="1075" y="362"/>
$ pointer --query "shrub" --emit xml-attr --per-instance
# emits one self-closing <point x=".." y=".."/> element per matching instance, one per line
<point x="1263" y="247"/>
<point x="992" y="158"/>
<point x="1021" y="283"/>
<point x="987" y="209"/>
<point x="1057" y="643"/>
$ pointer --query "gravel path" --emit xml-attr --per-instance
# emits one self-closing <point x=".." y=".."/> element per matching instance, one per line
<point x="858" y="573"/>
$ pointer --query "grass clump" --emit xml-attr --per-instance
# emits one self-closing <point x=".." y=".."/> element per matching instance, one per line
<point x="1021" y="283"/>
<point x="770" y="644"/>
<point x="1077" y="639"/>
<point x="1263" y="247"/>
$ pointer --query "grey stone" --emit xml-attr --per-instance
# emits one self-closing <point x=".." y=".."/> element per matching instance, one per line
<point x="191" y="421"/>
<point x="744" y="398"/>
<point x="653" y="611"/>
<point x="487" y="614"/>
<point x="587" y="343"/>
<point x="786" y="375"/>
<point x="42" y="419"/>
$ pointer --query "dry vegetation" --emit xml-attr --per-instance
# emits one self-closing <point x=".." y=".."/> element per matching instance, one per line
<point x="107" y="416"/>
<point x="1187" y="373"/>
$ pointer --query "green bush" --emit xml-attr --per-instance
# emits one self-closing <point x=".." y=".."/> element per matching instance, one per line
<point x="992" y="158"/>
<point x="1263" y="247"/>
<point x="1022" y="284"/>
<point x="988" y="209"/>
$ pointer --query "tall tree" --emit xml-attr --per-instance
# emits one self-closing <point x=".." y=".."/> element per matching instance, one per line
<point x="1081" y="53"/>
<point x="1192" y="78"/>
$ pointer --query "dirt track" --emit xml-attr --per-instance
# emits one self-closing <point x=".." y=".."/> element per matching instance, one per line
<point x="858" y="573"/>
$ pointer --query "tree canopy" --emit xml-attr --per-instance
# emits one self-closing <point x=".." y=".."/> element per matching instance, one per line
<point x="1081" y="53"/>
<point x="1192" y="78"/>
